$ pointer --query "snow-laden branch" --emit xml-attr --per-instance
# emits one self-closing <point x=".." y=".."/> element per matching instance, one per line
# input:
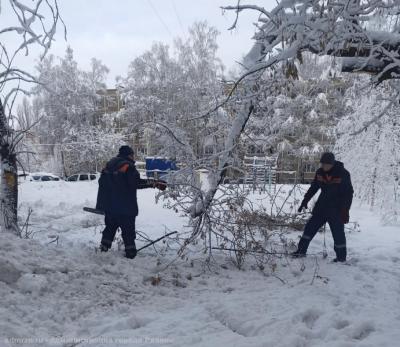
<point x="376" y="118"/>
<point x="201" y="205"/>
<point x="237" y="128"/>
<point x="30" y="27"/>
<point x="339" y="28"/>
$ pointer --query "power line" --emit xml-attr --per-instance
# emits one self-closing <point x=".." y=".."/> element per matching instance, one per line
<point x="178" y="17"/>
<point x="160" y="18"/>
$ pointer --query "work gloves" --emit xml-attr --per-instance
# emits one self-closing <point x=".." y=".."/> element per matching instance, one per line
<point x="344" y="215"/>
<point x="160" y="184"/>
<point x="303" y="206"/>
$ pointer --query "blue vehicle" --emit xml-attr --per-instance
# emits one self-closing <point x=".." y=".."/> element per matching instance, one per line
<point x="157" y="167"/>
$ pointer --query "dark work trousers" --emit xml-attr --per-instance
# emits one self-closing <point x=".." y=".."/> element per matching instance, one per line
<point x="127" y="225"/>
<point x="332" y="216"/>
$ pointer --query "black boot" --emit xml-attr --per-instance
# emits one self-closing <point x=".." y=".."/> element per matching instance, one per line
<point x="298" y="254"/>
<point x="301" y="248"/>
<point x="130" y="253"/>
<point x="341" y="253"/>
<point x="104" y="248"/>
<point x="337" y="260"/>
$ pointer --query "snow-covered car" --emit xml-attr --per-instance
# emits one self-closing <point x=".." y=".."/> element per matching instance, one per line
<point x="83" y="177"/>
<point x="43" y="177"/>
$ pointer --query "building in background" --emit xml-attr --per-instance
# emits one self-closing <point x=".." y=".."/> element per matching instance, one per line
<point x="109" y="102"/>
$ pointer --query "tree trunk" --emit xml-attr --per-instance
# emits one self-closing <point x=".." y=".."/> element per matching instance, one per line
<point x="9" y="178"/>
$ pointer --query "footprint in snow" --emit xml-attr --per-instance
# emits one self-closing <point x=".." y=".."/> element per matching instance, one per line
<point x="308" y="317"/>
<point x="341" y="324"/>
<point x="395" y="259"/>
<point x="363" y="330"/>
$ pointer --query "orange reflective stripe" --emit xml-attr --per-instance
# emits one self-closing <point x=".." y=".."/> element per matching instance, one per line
<point x="329" y="179"/>
<point x="124" y="168"/>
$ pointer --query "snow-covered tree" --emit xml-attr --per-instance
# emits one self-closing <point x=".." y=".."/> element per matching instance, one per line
<point x="66" y="100"/>
<point x="335" y="28"/>
<point x="33" y="24"/>
<point x="92" y="147"/>
<point x="70" y="121"/>
<point x="298" y="120"/>
<point x="370" y="148"/>
<point x="165" y="91"/>
<point x="339" y="28"/>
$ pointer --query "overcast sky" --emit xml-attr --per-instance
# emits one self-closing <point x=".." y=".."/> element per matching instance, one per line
<point x="117" y="31"/>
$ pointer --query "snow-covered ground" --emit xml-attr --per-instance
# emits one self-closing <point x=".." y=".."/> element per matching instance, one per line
<point x="67" y="294"/>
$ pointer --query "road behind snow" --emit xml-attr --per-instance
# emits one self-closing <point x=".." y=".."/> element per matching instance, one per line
<point x="71" y="292"/>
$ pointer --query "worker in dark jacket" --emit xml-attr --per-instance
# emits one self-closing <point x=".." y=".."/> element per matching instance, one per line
<point x="332" y="206"/>
<point x="117" y="197"/>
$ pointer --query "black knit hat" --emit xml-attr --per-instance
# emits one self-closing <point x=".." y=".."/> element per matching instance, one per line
<point x="327" y="158"/>
<point x="125" y="151"/>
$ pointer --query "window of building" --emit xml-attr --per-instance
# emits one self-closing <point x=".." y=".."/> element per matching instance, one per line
<point x="209" y="149"/>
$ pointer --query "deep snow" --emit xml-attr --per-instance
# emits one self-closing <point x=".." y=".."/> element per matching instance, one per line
<point x="69" y="291"/>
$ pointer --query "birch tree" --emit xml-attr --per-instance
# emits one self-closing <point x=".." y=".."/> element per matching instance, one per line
<point x="33" y="24"/>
